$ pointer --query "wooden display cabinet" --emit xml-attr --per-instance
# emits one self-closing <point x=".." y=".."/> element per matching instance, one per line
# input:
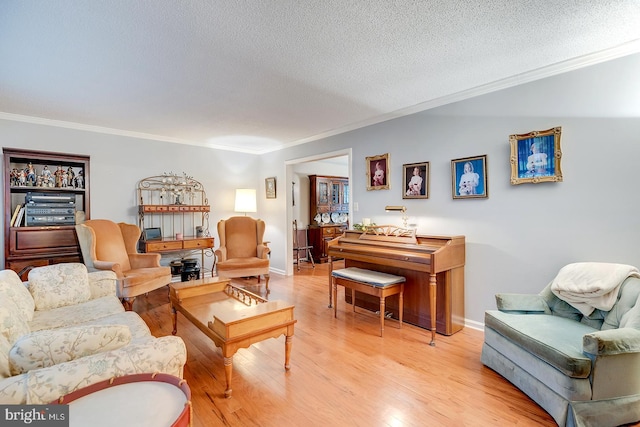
<point x="328" y="210"/>
<point x="178" y="205"/>
<point x="57" y="186"/>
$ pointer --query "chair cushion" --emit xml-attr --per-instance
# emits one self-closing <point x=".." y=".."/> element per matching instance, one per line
<point x="554" y="339"/>
<point x="237" y="263"/>
<point x="59" y="285"/>
<point x="50" y="347"/>
<point x="73" y="315"/>
<point x="11" y="287"/>
<point x="374" y="278"/>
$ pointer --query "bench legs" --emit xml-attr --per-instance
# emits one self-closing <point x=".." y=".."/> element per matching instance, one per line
<point x="383" y="293"/>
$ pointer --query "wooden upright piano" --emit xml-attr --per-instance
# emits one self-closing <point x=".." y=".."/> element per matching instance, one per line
<point x="432" y="265"/>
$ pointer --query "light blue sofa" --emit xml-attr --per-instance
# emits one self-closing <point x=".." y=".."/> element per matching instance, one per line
<point x="584" y="371"/>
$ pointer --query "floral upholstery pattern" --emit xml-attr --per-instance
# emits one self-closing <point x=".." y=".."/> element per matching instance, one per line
<point x="12" y="323"/>
<point x="5" y="372"/>
<point x="12" y="288"/>
<point x="137" y="327"/>
<point x="165" y="354"/>
<point x="59" y="285"/>
<point x="102" y="283"/>
<point x="76" y="314"/>
<point x="99" y="311"/>
<point x="50" y="347"/>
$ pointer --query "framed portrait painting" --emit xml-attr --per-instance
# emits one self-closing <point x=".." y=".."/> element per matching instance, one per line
<point x="378" y="172"/>
<point x="469" y="178"/>
<point x="270" y="187"/>
<point x="535" y="156"/>
<point x="416" y="180"/>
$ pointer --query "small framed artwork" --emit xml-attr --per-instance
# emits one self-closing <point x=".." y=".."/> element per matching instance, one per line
<point x="270" y="187"/>
<point x="469" y="178"/>
<point x="416" y="180"/>
<point x="535" y="156"/>
<point x="378" y="172"/>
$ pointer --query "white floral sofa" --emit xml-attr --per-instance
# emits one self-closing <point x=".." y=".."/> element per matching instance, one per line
<point x="66" y="329"/>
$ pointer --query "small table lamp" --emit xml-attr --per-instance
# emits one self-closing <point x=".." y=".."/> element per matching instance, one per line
<point x="402" y="209"/>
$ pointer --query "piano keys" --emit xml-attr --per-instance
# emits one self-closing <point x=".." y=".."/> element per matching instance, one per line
<point x="432" y="265"/>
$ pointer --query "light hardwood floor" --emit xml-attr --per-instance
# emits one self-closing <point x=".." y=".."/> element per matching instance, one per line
<point x="342" y="372"/>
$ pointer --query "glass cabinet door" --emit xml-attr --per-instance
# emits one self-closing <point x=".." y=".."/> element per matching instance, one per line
<point x="345" y="193"/>
<point x="335" y="193"/>
<point x="323" y="193"/>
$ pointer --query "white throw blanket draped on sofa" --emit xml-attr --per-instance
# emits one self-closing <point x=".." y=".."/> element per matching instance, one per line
<point x="590" y="285"/>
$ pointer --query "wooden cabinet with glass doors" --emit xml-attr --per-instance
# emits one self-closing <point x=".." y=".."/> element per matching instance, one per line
<point x="328" y="210"/>
<point x="45" y="194"/>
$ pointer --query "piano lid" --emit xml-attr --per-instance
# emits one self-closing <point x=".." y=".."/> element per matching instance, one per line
<point x="389" y="245"/>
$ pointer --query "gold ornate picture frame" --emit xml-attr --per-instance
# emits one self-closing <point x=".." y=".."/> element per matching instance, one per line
<point x="535" y="156"/>
<point x="378" y="172"/>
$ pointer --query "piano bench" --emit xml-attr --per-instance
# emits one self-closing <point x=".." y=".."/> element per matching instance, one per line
<point x="368" y="282"/>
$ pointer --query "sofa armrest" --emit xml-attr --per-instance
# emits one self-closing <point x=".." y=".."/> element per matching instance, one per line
<point x="527" y="303"/>
<point x="166" y="355"/>
<point x="144" y="260"/>
<point x="612" y="341"/>
<point x="614" y="354"/>
<point x="102" y="283"/>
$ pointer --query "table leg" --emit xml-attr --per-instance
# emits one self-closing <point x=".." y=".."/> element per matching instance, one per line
<point x="330" y="281"/>
<point x="432" y="305"/>
<point x="382" y="308"/>
<point x="174" y="318"/>
<point x="334" y="286"/>
<point x="401" y="304"/>
<point x="228" y="373"/>
<point x="288" y="341"/>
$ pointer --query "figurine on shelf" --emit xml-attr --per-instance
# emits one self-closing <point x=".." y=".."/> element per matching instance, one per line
<point x="78" y="181"/>
<point x="70" y="176"/>
<point x="22" y="178"/>
<point x="47" y="177"/>
<point x="58" y="175"/>
<point x="15" y="177"/>
<point x="30" y="172"/>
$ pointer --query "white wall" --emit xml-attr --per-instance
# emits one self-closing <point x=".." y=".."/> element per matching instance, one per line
<point x="118" y="163"/>
<point x="520" y="236"/>
<point x="517" y="239"/>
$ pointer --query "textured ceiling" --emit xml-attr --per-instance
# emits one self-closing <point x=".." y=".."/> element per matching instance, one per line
<point x="258" y="75"/>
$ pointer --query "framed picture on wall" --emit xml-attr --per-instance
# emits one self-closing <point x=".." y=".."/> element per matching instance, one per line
<point x="270" y="187"/>
<point x="378" y="172"/>
<point x="416" y="180"/>
<point x="535" y="156"/>
<point x="469" y="178"/>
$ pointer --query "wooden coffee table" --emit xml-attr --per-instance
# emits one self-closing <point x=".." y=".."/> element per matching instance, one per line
<point x="231" y="317"/>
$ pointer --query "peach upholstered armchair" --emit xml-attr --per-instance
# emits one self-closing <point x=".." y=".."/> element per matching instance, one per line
<point x="242" y="252"/>
<point x="106" y="245"/>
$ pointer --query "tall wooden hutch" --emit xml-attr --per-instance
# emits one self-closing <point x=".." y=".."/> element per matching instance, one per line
<point x="52" y="190"/>
<point x="328" y="211"/>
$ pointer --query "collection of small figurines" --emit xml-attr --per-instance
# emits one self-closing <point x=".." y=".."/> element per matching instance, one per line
<point x="60" y="178"/>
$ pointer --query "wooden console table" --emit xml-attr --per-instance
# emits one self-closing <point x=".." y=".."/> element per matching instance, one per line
<point x="231" y="317"/>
